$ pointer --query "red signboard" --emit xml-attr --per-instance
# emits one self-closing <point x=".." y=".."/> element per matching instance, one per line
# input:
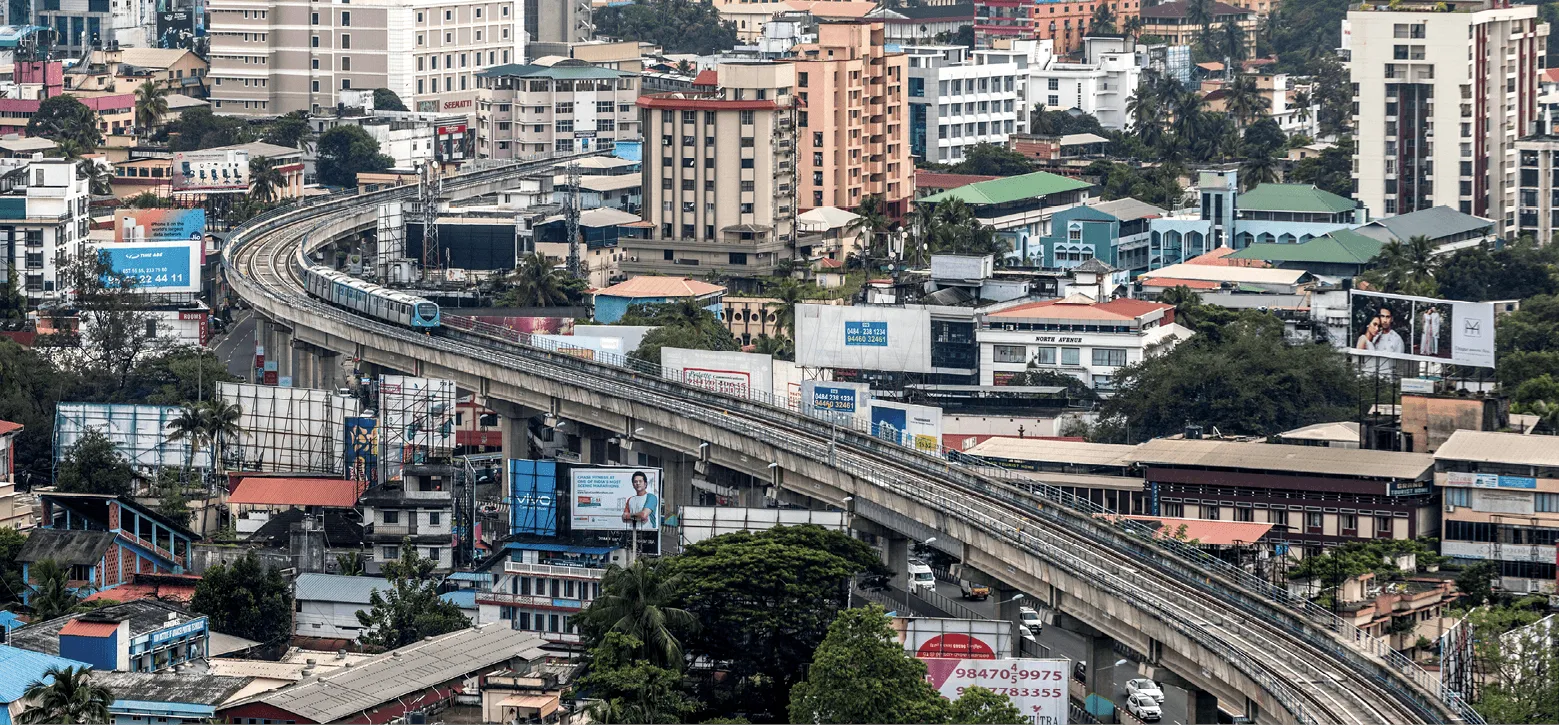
<point x="269" y="378"/>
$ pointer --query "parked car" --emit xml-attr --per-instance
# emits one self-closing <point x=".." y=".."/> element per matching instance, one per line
<point x="1029" y="618"/>
<point x="920" y="576"/>
<point x="971" y="590"/>
<point x="1144" y="708"/>
<point x="1145" y="686"/>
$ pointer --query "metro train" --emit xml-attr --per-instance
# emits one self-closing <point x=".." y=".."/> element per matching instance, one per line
<point x="382" y="303"/>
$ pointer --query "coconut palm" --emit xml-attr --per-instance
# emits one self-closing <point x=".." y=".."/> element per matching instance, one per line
<point x="1233" y="41"/>
<point x="189" y="426"/>
<point x="100" y="178"/>
<point x="873" y="224"/>
<point x="66" y="695"/>
<point x="1259" y="169"/>
<point x="265" y="179"/>
<point x="1103" y="21"/>
<point x="536" y="283"/>
<point x="151" y="104"/>
<point x="1199" y="12"/>
<point x="1243" y="100"/>
<point x="636" y="601"/>
<point x="787" y="295"/>
<point x="222" y="427"/>
<point x="1145" y="108"/>
<point x="1131" y="27"/>
<point x="1406" y="267"/>
<point x="51" y="593"/>
<point x="1301" y="105"/>
<point x="1186" y="107"/>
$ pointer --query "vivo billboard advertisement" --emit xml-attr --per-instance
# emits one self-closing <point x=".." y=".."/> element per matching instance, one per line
<point x="615" y="499"/>
<point x="863" y="337"/>
<point x="533" y="497"/>
<point x="158" y="266"/>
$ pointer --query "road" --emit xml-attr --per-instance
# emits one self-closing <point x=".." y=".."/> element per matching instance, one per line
<point x="236" y="348"/>
<point x="1061" y="643"/>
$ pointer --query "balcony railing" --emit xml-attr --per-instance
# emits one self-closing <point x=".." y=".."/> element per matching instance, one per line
<point x="548" y="570"/>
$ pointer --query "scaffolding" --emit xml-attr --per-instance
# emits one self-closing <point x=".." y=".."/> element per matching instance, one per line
<point x="141" y="433"/>
<point x="416" y="423"/>
<point x="389" y="244"/>
<point x="287" y="429"/>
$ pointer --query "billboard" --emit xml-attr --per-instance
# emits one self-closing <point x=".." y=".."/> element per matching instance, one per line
<point x="863" y="337"/>
<point x="176" y="29"/>
<point x="532" y="325"/>
<point x="362" y="449"/>
<point x="958" y="639"/>
<point x="615" y="499"/>
<point x="211" y="171"/>
<point x="1037" y="687"/>
<point x="416" y="421"/>
<point x="1489" y="480"/>
<point x="1421" y="328"/>
<point x="848" y="398"/>
<point x="911" y="426"/>
<point x="158" y="225"/>
<point x="141" y="433"/>
<point x="704" y="522"/>
<point x="740" y="374"/>
<point x="588" y="348"/>
<point x="533" y="497"/>
<point x="158" y="266"/>
<point x="290" y="429"/>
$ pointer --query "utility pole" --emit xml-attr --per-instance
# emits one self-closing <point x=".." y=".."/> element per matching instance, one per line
<point x="576" y="267"/>
<point x="428" y="192"/>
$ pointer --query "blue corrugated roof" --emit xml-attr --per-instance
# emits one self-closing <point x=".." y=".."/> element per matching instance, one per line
<point x="465" y="598"/>
<point x="20" y="668"/>
<point x="597" y="550"/>
<point x="470" y="576"/>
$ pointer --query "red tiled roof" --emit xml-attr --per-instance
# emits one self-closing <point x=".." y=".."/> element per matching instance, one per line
<point x="661" y="287"/>
<point x="132" y="592"/>
<point x="1551" y="75"/>
<point x="79" y="628"/>
<point x="336" y="492"/>
<point x="7" y="426"/>
<point x="1215" y="533"/>
<point x="1118" y="309"/>
<point x="934" y="180"/>
<point x="707" y="78"/>
<point x="825" y="263"/>
<point x="1220" y="258"/>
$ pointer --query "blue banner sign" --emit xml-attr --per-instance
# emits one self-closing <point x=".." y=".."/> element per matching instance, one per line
<point x="862" y="333"/>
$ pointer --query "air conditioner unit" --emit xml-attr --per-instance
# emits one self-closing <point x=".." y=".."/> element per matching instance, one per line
<point x="1450" y="507"/>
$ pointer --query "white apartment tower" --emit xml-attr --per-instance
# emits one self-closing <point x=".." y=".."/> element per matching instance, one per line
<point x="1440" y="100"/>
<point x="271" y="57"/>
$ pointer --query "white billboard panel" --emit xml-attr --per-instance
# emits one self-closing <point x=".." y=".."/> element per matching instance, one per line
<point x="416" y="422"/>
<point x="211" y="170"/>
<point x="788" y="381"/>
<point x="141" y="433"/>
<point x="288" y="429"/>
<point x="863" y="337"/>
<point x="630" y="335"/>
<point x="1037" y="687"/>
<point x="704" y="522"/>
<point x="909" y="425"/>
<point x="741" y="374"/>
<point x="1421" y="328"/>
<point x="958" y="639"/>
<point x="615" y="499"/>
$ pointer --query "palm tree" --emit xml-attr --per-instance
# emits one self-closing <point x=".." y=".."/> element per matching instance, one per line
<point x="1301" y="106"/>
<point x="99" y="177"/>
<point x="787" y="295"/>
<point x="1146" y="112"/>
<point x="265" y="179"/>
<point x="1103" y="21"/>
<point x="1186" y="107"/>
<point x="66" y="695"/>
<point x="636" y="601"/>
<point x="1406" y="267"/>
<point x="872" y="224"/>
<point x="190" y="426"/>
<point x="1244" y="101"/>
<point x="1200" y="12"/>
<point x="685" y="68"/>
<point x="221" y="427"/>
<point x="1233" y="41"/>
<point x="1260" y="169"/>
<point x="151" y="104"/>
<point x="536" y="283"/>
<point x="1131" y="27"/>
<point x="51" y="593"/>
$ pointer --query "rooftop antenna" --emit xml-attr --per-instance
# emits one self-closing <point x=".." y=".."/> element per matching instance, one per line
<point x="429" y="189"/>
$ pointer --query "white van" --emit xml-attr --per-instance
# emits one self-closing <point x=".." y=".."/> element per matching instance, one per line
<point x="920" y="576"/>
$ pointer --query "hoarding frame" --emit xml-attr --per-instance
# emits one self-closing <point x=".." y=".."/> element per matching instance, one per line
<point x="190" y="167"/>
<point x="1040" y="688"/>
<point x="1401" y="327"/>
<point x="158" y="225"/>
<point x="172" y="266"/>
<point x="864" y="337"/>
<point x="610" y="490"/>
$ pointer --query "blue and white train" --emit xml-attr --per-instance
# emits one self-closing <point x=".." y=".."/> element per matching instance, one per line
<point x="381" y="303"/>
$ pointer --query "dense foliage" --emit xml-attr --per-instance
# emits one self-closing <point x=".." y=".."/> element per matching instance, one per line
<point x="345" y="152"/>
<point x="683" y="324"/>
<point x="411" y="608"/>
<point x="678" y="26"/>
<point x="246" y="599"/>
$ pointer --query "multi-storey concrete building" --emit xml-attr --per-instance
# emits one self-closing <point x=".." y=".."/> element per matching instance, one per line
<point x="719" y="175"/>
<point x="958" y="99"/>
<point x="270" y="58"/>
<point x="1538" y="160"/>
<point x="1501" y="495"/>
<point x="852" y="124"/>
<point x="1441" y="98"/>
<point x="1101" y="85"/>
<point x="1067" y="22"/>
<point x="555" y="104"/>
<point x="1172" y="21"/>
<point x="43" y="219"/>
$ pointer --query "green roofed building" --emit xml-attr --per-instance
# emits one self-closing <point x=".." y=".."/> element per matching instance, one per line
<point x="1019" y="207"/>
<point x="1299" y="203"/>
<point x="1342" y="253"/>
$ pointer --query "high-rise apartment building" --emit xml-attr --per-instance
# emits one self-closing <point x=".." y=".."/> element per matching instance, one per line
<point x="43" y="220"/>
<point x="555" y="104"/>
<point x="1441" y="98"/>
<point x="270" y="57"/>
<point x="958" y="98"/>
<point x="852" y="122"/>
<point x="719" y="176"/>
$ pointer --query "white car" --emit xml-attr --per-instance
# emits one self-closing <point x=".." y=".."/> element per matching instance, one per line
<point x="1144" y="686"/>
<point x="1144" y="707"/>
<point x="1030" y="620"/>
<point x="920" y="576"/>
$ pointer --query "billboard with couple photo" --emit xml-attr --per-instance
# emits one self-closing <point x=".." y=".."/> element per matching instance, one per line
<point x="1421" y="328"/>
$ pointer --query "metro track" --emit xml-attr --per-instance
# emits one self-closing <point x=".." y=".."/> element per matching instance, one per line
<point x="1312" y="683"/>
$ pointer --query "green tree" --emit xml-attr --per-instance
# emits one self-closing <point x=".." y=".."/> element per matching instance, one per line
<point x="411" y="608"/>
<point x="345" y="152"/>
<point x="536" y="283"/>
<point x="13" y="304"/>
<point x="292" y="131"/>
<point x="988" y="159"/>
<point x="1036" y="376"/>
<point x="677" y="26"/>
<point x="1515" y="662"/>
<point x="199" y="128"/>
<point x="387" y="100"/>
<point x="1233" y="41"/>
<point x="65" y="120"/>
<point x="171" y="500"/>
<point x="980" y="706"/>
<point x="177" y="375"/>
<point x="349" y="563"/>
<point x="779" y="347"/>
<point x="1406" y="267"/>
<point x="1476" y="582"/>
<point x="1243" y="100"/>
<point x="1045" y="123"/>
<point x="787" y="294"/>
<point x="1241" y="376"/>
<point x="1263" y="138"/>
<point x="632" y="690"/>
<point x="52" y="596"/>
<point x="952" y="228"/>
<point x="685" y="324"/>
<point x="763" y="601"/>
<point x="66" y="695"/>
<point x="873" y="224"/>
<point x="1103" y="21"/>
<point x="1518" y="270"/>
<point x="11" y="543"/>
<point x="861" y="674"/>
<point x="151" y="104"/>
<point x="145" y="200"/>
<point x="1257" y="170"/>
<point x="265" y="179"/>
<point x="246" y="599"/>
<point x="637" y="601"/>
<point x="1331" y="170"/>
<point x="94" y="465"/>
<point x="112" y="313"/>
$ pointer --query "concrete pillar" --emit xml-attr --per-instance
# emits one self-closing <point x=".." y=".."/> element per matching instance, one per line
<point x="897" y="551"/>
<point x="592" y="450"/>
<point x="512" y="424"/>
<point x="329" y="369"/>
<point x="1203" y="706"/>
<point x="284" y="353"/>
<point x="260" y="341"/>
<point x="676" y="478"/>
<point x="1101" y="669"/>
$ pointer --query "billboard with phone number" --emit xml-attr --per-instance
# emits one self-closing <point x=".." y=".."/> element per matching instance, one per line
<point x="1038" y="688"/>
<point x="158" y="266"/>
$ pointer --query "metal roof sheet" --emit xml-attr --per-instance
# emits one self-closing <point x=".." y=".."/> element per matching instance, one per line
<point x="1011" y="188"/>
<point x="1127" y="209"/>
<point x="265" y="490"/>
<point x="170" y="687"/>
<point x="336" y="588"/>
<point x="1490" y="447"/>
<point x="1339" y="247"/>
<point x="1219" y="273"/>
<point x="1293" y="197"/>
<point x="1436" y="222"/>
<point x="1315" y="460"/>
<point x="69" y="547"/>
<point x="1052" y="451"/>
<point x="20" y="668"/>
<point x="340" y="694"/>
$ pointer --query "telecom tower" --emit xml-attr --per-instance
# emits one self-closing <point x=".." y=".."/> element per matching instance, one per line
<point x="429" y="189"/>
<point x="576" y="267"/>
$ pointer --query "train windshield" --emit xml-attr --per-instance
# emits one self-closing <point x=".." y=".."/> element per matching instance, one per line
<point x="427" y="310"/>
